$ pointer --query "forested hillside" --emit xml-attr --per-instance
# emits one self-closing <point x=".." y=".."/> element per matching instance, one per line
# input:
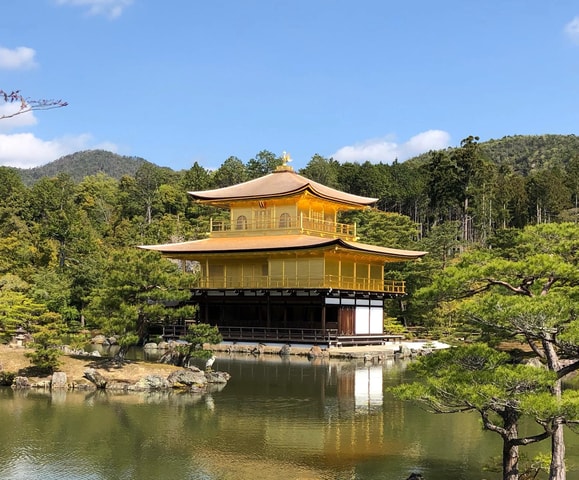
<point x="522" y="154"/>
<point x="528" y="153"/>
<point x="525" y="153"/>
<point x="81" y="164"/>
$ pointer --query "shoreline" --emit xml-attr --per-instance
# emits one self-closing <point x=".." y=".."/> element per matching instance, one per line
<point x="13" y="361"/>
<point x="386" y="350"/>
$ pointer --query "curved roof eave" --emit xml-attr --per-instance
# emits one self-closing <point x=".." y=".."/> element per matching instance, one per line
<point x="278" y="184"/>
<point x="264" y="244"/>
<point x="390" y="252"/>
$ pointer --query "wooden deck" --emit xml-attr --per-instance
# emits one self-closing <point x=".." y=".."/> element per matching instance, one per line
<point x="328" y="337"/>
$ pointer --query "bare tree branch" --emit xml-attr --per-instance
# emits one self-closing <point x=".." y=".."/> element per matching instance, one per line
<point x="27" y="105"/>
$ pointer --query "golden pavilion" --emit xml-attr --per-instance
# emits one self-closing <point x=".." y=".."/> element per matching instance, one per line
<point x="283" y="269"/>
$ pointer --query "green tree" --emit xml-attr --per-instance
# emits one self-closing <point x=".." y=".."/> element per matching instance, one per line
<point x="17" y="252"/>
<point x="572" y="182"/>
<point x="443" y="243"/>
<point x="527" y="291"/>
<point x="510" y="198"/>
<point x="406" y="194"/>
<point x="47" y="332"/>
<point x="367" y="179"/>
<point x="16" y="308"/>
<point x="322" y="170"/>
<point x="14" y="196"/>
<point x="51" y="288"/>
<point x="548" y="195"/>
<point x="443" y="187"/>
<point x="265" y="162"/>
<point x="172" y="200"/>
<point x="148" y="179"/>
<point x="347" y="177"/>
<point x="196" y="178"/>
<point x="127" y="200"/>
<point x="458" y="186"/>
<point x="56" y="213"/>
<point x="231" y="172"/>
<point x="97" y="195"/>
<point x="138" y="289"/>
<point x="197" y="336"/>
<point x="385" y="229"/>
<point x="480" y="379"/>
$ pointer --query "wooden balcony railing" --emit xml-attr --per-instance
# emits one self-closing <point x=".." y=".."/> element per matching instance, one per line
<point x="300" y="224"/>
<point x="263" y="334"/>
<point x="329" y="281"/>
<point x="329" y="336"/>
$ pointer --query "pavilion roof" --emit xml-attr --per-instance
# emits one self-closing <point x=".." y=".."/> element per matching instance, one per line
<point x="276" y="242"/>
<point x="281" y="183"/>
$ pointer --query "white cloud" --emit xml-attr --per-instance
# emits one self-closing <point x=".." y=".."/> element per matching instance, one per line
<point x="110" y="8"/>
<point x="387" y="150"/>
<point x="25" y="119"/>
<point x="18" y="58"/>
<point x="24" y="150"/>
<point x="572" y="30"/>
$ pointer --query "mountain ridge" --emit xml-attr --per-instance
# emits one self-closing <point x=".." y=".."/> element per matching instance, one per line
<point x="522" y="153"/>
<point x="85" y="163"/>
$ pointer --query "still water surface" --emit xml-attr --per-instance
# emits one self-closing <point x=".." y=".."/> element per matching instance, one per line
<point x="276" y="419"/>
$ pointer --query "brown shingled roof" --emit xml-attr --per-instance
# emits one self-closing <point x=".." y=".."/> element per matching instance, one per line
<point x="276" y="242"/>
<point x="280" y="183"/>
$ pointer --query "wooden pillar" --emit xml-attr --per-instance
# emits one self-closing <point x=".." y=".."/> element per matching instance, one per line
<point x="268" y="311"/>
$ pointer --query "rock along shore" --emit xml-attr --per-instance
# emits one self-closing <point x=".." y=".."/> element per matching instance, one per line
<point x="86" y="372"/>
<point x="367" y="352"/>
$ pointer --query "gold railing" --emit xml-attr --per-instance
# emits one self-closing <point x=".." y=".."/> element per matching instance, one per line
<point x="329" y="281"/>
<point x="300" y="224"/>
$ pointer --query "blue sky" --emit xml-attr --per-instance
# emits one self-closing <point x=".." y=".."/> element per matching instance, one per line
<point x="181" y="81"/>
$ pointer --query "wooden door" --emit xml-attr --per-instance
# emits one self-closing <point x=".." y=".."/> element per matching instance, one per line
<point x="346" y="321"/>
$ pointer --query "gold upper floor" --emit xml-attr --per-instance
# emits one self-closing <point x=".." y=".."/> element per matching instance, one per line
<point x="293" y="215"/>
<point x="283" y="224"/>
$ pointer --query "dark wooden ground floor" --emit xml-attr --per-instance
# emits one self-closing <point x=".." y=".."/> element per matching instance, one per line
<point x="329" y="317"/>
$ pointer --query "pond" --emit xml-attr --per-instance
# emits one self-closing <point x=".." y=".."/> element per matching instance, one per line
<point x="278" y="418"/>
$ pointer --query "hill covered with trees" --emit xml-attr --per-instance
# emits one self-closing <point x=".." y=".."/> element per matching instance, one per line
<point x="526" y="154"/>
<point x="82" y="164"/>
<point x="523" y="154"/>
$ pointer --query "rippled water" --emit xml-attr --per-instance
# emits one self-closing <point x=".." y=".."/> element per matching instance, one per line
<point x="278" y="419"/>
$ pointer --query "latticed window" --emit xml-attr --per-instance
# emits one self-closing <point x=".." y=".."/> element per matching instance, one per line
<point x="261" y="219"/>
<point x="216" y="271"/>
<point x="241" y="222"/>
<point x="285" y="220"/>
